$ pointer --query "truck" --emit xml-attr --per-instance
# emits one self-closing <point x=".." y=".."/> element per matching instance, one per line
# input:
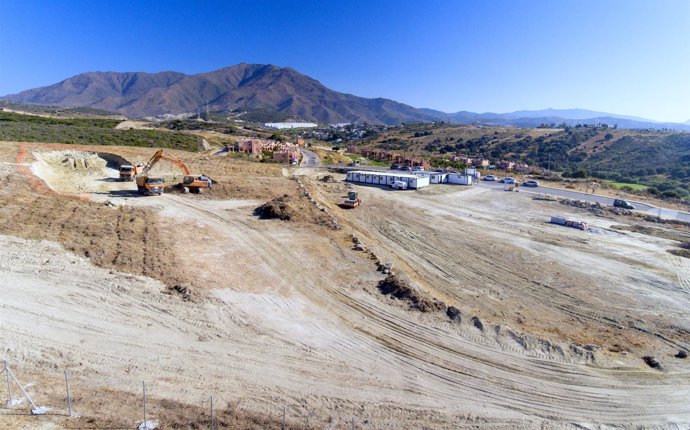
<point x="190" y="183"/>
<point x="150" y="185"/>
<point x="129" y="171"/>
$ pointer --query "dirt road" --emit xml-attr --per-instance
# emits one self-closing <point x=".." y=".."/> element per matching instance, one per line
<point x="291" y="314"/>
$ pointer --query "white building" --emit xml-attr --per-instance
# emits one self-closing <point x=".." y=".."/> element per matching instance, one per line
<point x="387" y="178"/>
<point x="438" y="177"/>
<point x="459" y="178"/>
<point x="282" y="125"/>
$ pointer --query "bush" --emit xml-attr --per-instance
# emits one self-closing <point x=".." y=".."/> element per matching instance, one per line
<point x="670" y="194"/>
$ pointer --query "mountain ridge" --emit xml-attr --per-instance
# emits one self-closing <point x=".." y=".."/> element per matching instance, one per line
<point x="280" y="89"/>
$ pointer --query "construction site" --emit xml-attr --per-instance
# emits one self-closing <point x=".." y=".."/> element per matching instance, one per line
<point x="299" y="300"/>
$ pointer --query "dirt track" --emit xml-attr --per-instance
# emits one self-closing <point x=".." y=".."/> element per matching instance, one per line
<point x="290" y="314"/>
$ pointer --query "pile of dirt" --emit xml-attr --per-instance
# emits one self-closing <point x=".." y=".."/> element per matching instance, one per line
<point x="652" y="362"/>
<point x="182" y="291"/>
<point x="279" y="208"/>
<point x="70" y="171"/>
<point x="125" y="238"/>
<point x="399" y="288"/>
<point x="87" y="162"/>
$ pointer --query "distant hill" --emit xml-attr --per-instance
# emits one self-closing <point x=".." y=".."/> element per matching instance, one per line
<point x="279" y="92"/>
<point x="244" y="86"/>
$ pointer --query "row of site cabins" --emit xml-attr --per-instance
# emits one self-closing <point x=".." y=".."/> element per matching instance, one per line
<point x="397" y="158"/>
<point x="283" y="152"/>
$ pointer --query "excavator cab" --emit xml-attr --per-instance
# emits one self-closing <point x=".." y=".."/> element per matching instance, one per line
<point x="195" y="184"/>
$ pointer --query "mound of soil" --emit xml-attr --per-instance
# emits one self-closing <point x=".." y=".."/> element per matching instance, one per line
<point x="279" y="208"/>
<point x="401" y="289"/>
<point x="652" y="362"/>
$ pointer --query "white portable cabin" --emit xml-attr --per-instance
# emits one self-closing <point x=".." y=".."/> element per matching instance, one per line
<point x="387" y="178"/>
<point x="438" y="177"/>
<point x="471" y="171"/>
<point x="459" y="178"/>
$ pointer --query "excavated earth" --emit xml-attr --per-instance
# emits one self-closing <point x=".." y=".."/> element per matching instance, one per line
<point x="522" y="324"/>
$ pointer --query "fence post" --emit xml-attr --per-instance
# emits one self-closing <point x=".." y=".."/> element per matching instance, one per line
<point x="213" y="417"/>
<point x="282" y="427"/>
<point x="69" y="397"/>
<point x="9" y="385"/>
<point x="143" y="384"/>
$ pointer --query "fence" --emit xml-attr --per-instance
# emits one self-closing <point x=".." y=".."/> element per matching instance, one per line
<point x="202" y="417"/>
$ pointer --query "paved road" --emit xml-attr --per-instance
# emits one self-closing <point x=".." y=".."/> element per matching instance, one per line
<point x="576" y="195"/>
<point x="310" y="159"/>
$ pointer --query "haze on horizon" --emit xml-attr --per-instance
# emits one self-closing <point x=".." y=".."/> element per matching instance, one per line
<point x="623" y="57"/>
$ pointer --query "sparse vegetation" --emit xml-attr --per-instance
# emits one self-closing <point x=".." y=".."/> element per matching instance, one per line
<point x="87" y="131"/>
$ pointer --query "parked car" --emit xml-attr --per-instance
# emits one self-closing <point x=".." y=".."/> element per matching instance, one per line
<point x="622" y="204"/>
<point x="418" y="169"/>
<point x="406" y="168"/>
<point x="439" y="171"/>
<point x="395" y="166"/>
<point x="490" y="178"/>
<point x="530" y="184"/>
<point x="507" y="180"/>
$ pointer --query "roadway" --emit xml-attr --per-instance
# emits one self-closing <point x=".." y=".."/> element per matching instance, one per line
<point x="568" y="194"/>
<point x="310" y="159"/>
<point x="604" y="200"/>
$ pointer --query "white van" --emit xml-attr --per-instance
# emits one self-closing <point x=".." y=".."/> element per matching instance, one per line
<point x="399" y="185"/>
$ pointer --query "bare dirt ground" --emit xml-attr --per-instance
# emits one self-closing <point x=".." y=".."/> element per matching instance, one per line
<point x="553" y="324"/>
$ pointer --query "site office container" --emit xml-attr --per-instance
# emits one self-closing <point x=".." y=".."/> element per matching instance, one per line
<point x="458" y="178"/>
<point x="385" y="178"/>
<point x="438" y="178"/>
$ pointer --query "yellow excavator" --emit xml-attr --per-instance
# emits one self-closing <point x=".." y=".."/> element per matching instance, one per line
<point x="153" y="185"/>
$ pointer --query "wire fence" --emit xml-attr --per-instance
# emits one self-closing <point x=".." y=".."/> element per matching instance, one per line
<point x="214" y="413"/>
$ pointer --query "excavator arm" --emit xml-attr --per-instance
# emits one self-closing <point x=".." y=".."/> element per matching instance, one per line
<point x="190" y="183"/>
<point x="162" y="155"/>
<point x="177" y="162"/>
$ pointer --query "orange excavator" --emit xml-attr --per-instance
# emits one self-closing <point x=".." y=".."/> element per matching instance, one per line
<point x="190" y="183"/>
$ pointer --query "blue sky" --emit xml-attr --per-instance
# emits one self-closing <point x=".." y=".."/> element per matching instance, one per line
<point x="621" y="56"/>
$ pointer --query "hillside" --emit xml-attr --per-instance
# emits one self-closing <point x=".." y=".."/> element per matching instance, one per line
<point x="244" y="86"/>
<point x="657" y="159"/>
<point x="278" y="94"/>
<point x="87" y="131"/>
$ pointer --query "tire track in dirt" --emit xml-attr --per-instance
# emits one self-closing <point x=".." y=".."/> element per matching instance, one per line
<point x="682" y="271"/>
<point x="460" y="368"/>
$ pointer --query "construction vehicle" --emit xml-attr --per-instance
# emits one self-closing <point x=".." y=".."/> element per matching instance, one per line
<point x="150" y="185"/>
<point x="190" y="183"/>
<point x="128" y="172"/>
<point x="352" y="200"/>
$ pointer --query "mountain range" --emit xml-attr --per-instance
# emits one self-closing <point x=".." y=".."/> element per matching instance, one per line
<point x="281" y="90"/>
